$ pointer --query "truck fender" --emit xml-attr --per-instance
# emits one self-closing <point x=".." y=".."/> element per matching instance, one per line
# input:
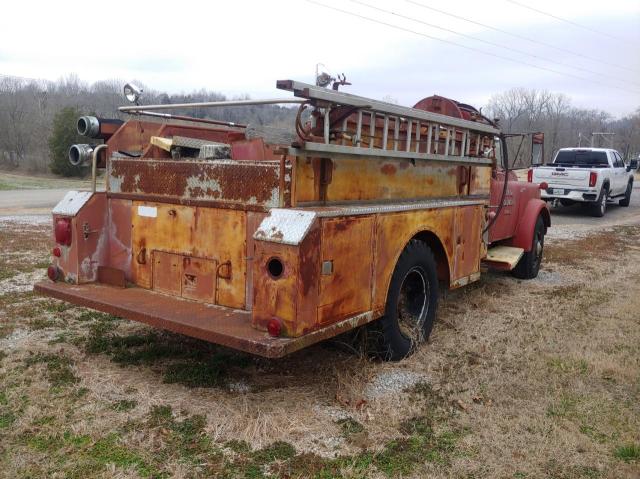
<point x="524" y="233"/>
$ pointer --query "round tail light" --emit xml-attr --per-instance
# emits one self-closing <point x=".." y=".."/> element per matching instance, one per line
<point x="53" y="273"/>
<point x="274" y="327"/>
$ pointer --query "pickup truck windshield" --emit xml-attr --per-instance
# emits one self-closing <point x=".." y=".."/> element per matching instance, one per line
<point x="582" y="158"/>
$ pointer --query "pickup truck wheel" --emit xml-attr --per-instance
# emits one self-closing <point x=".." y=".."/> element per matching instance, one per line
<point x="529" y="264"/>
<point x="599" y="208"/>
<point x="627" y="195"/>
<point x="411" y="302"/>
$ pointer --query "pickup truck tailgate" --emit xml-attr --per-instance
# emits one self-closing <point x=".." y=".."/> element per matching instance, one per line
<point x="578" y="177"/>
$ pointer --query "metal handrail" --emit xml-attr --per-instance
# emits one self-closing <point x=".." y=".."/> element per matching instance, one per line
<point x="210" y="104"/>
<point x="94" y="165"/>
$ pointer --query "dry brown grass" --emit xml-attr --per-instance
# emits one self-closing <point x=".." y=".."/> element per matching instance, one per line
<point x="525" y="380"/>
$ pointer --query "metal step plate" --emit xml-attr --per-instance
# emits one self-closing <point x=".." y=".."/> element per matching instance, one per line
<point x="503" y="257"/>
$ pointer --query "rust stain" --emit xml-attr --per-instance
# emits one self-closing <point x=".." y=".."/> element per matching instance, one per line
<point x="254" y="183"/>
<point x="389" y="169"/>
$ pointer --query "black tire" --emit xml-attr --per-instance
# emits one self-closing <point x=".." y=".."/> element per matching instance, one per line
<point x="412" y="301"/>
<point x="529" y="264"/>
<point x="599" y="207"/>
<point x="627" y="195"/>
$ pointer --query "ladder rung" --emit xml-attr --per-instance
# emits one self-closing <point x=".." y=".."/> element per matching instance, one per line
<point x="327" y="118"/>
<point x="396" y="134"/>
<point x="385" y="132"/>
<point x="372" y="129"/>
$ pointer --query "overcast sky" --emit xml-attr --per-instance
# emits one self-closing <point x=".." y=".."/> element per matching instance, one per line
<point x="243" y="46"/>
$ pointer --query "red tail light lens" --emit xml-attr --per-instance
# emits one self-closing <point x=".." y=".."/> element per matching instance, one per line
<point x="53" y="273"/>
<point x="530" y="175"/>
<point x="62" y="231"/>
<point x="274" y="327"/>
<point x="593" y="178"/>
<point x="57" y="251"/>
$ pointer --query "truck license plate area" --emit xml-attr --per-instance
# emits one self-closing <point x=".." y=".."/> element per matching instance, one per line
<point x="185" y="276"/>
<point x="558" y="191"/>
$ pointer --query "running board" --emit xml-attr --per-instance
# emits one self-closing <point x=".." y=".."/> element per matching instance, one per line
<point x="503" y="257"/>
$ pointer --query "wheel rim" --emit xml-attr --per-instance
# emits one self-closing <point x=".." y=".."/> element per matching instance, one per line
<point x="413" y="304"/>
<point x="538" y="246"/>
<point x="603" y="203"/>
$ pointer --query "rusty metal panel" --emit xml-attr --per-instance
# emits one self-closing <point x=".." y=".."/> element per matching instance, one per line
<point x="347" y="247"/>
<point x="480" y="180"/>
<point x="167" y="270"/>
<point x="112" y="276"/>
<point x="293" y="296"/>
<point x="199" y="279"/>
<point x="374" y="179"/>
<point x="91" y="232"/>
<point x="204" y="233"/>
<point x="393" y="232"/>
<point x="275" y="297"/>
<point x="229" y="327"/>
<point x="133" y="136"/>
<point x="467" y="241"/>
<point x="215" y="183"/>
<point x="119" y="256"/>
<point x="306" y="187"/>
<point x="221" y="235"/>
<point x="253" y="221"/>
<point x="90" y="238"/>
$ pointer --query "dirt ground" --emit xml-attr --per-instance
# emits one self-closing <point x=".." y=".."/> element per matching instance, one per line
<point x="520" y="379"/>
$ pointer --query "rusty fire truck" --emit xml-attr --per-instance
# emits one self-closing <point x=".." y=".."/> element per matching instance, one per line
<point x="269" y="246"/>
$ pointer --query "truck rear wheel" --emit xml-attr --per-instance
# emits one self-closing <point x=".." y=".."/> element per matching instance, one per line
<point x="529" y="264"/>
<point x="411" y="302"/>
<point x="599" y="208"/>
<point x="627" y="195"/>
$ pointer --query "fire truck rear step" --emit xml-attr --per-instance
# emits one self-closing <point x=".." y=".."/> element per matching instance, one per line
<point x="216" y="324"/>
<point x="503" y="257"/>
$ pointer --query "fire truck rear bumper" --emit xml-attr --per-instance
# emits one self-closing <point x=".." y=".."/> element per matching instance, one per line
<point x="216" y="324"/>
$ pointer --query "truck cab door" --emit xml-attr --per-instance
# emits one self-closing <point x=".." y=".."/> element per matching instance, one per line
<point x="619" y="181"/>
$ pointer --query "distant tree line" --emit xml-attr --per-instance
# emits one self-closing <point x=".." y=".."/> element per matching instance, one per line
<point x="31" y="111"/>
<point x="523" y="110"/>
<point x="28" y="109"/>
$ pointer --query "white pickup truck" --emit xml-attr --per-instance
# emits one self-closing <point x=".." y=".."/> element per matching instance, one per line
<point x="591" y="176"/>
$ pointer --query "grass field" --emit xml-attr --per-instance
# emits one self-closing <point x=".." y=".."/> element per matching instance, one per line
<point x="13" y="181"/>
<point x="537" y="379"/>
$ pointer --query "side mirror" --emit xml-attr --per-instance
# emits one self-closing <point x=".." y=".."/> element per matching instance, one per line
<point x="633" y="165"/>
<point x="537" y="149"/>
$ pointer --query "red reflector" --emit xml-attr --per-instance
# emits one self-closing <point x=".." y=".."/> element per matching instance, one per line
<point x="593" y="178"/>
<point x="53" y="273"/>
<point x="530" y="175"/>
<point x="62" y="231"/>
<point x="57" y="252"/>
<point x="274" y="326"/>
<point x="544" y="185"/>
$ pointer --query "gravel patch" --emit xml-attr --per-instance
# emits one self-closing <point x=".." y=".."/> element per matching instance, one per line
<point x="549" y="277"/>
<point x="393" y="381"/>
<point x="332" y="412"/>
<point x="239" y="387"/>
<point x="21" y="282"/>
<point x="13" y="340"/>
<point x="26" y="219"/>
